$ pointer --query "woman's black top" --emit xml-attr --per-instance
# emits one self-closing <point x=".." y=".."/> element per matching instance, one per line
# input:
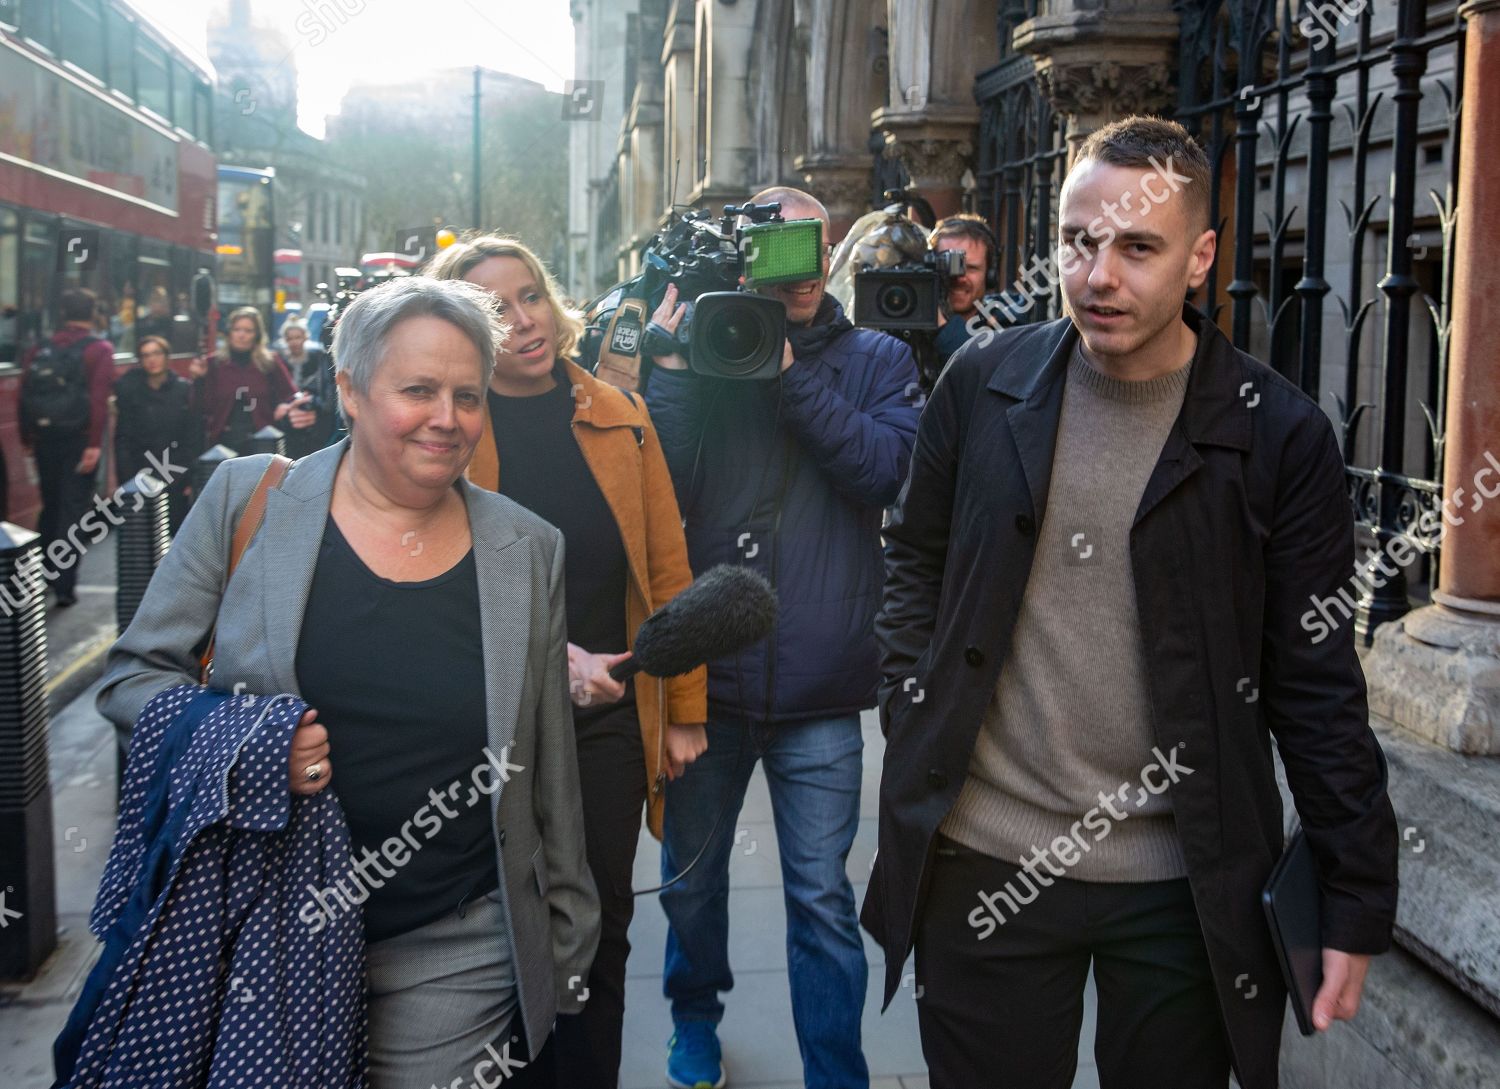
<point x="155" y="421"/>
<point x="542" y="468"/>
<point x="396" y="673"/>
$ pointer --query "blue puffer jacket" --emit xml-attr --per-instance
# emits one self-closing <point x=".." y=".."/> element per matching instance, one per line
<point x="790" y="477"/>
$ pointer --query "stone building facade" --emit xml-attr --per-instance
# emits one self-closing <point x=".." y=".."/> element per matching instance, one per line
<point x="1347" y="140"/>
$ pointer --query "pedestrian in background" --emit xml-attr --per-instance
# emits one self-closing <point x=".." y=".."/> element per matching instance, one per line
<point x="64" y="410"/>
<point x="243" y="388"/>
<point x="313" y="418"/>
<point x="154" y="415"/>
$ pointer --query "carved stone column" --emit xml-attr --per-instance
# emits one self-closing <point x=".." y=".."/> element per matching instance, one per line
<point x="1100" y="60"/>
<point x="842" y="183"/>
<point x="936" y="146"/>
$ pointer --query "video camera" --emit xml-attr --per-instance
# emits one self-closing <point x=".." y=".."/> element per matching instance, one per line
<point x="727" y="332"/>
<point x="347" y="286"/>
<point x="907" y="297"/>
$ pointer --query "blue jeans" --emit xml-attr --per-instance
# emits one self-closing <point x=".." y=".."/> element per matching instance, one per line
<point x="813" y="770"/>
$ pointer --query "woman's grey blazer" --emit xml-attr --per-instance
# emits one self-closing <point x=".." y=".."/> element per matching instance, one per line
<point x="548" y="892"/>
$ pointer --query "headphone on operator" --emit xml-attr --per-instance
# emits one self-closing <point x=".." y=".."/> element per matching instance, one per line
<point x="974" y="224"/>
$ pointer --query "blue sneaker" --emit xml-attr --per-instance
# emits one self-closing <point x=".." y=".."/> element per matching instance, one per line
<point x="694" y="1060"/>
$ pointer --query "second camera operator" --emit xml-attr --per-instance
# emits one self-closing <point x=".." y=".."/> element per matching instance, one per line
<point x="789" y="476"/>
<point x="966" y="313"/>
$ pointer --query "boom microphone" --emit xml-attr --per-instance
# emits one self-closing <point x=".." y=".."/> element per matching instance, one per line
<point x="723" y="611"/>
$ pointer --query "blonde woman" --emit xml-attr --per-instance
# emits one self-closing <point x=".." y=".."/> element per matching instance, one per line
<point x="243" y="388"/>
<point x="585" y="457"/>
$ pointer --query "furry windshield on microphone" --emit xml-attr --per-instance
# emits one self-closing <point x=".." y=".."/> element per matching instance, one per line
<point x="726" y="609"/>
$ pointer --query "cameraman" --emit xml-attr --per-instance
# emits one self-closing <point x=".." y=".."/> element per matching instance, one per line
<point x="968" y="310"/>
<point x="789" y="477"/>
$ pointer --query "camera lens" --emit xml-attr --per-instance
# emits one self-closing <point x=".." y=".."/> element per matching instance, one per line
<point x="736" y="337"/>
<point x="895" y="301"/>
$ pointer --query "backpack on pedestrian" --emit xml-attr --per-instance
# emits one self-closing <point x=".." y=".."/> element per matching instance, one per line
<point x="55" y="394"/>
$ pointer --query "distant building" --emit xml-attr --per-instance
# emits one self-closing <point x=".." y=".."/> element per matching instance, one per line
<point x="417" y="136"/>
<point x="319" y="204"/>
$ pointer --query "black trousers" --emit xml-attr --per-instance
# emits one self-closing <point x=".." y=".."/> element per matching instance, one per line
<point x="66" y="497"/>
<point x="584" y="1049"/>
<point x="1001" y="1005"/>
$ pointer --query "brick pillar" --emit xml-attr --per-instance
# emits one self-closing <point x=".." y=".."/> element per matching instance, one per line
<point x="1436" y="671"/>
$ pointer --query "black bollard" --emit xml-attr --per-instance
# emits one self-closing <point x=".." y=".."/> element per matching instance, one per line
<point x="205" y="464"/>
<point x="268" y="440"/>
<point x="143" y="540"/>
<point x="28" y="892"/>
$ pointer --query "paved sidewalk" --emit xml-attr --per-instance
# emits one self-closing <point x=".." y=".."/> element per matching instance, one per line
<point x="759" y="1043"/>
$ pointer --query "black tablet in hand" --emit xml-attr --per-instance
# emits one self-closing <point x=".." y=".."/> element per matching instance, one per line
<point x="1292" y="903"/>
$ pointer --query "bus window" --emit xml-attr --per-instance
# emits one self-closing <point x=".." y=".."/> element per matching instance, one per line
<point x="127" y="306"/>
<point x="38" y="259"/>
<point x="182" y="97"/>
<point x="119" y="33"/>
<point x="203" y="112"/>
<point x="37" y="22"/>
<point x="83" y="44"/>
<point x="151" y="76"/>
<point x="10" y="291"/>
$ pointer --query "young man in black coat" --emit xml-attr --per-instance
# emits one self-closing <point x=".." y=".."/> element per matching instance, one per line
<point x="1090" y="637"/>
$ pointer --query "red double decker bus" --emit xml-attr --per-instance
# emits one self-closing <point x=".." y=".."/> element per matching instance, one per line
<point x="107" y="181"/>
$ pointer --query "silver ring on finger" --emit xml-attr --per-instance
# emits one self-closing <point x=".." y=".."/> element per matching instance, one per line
<point x="314" y="772"/>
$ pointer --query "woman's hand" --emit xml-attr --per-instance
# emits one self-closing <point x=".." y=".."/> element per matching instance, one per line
<point x="589" y="682"/>
<point x="669" y="316"/>
<point x="684" y="745"/>
<point x="309" y="755"/>
<point x="198" y="367"/>
<point x="283" y="409"/>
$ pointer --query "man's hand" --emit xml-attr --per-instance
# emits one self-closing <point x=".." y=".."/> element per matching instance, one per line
<point x="787" y="358"/>
<point x="669" y="316"/>
<point x="302" y="417"/>
<point x="89" y="462"/>
<point x="198" y="367"/>
<point x="1343" y="983"/>
<point x="282" y="410"/>
<point x="684" y="745"/>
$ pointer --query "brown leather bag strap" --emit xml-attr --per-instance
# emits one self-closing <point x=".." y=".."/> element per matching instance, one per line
<point x="250" y="520"/>
<point x="255" y="510"/>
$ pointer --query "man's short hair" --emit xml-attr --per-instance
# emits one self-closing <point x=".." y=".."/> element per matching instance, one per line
<point x="77" y="304"/>
<point x="1153" y="143"/>
<point x="965" y="225"/>
<point x="785" y="194"/>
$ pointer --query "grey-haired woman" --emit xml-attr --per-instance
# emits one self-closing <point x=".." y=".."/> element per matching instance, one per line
<point x="422" y="617"/>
